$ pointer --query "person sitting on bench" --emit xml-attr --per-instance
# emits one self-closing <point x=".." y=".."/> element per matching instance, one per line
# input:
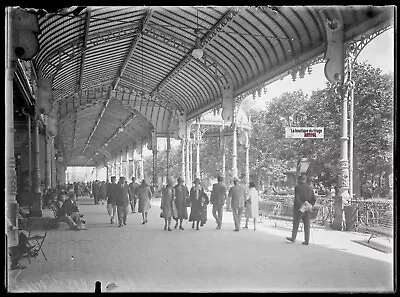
<point x="60" y="212"/>
<point x="71" y="209"/>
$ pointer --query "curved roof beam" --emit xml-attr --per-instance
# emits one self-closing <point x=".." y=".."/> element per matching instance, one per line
<point x="85" y="38"/>
<point x="211" y="34"/>
<point x="121" y="72"/>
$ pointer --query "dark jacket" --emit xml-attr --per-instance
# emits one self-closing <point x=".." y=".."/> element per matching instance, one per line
<point x="218" y="194"/>
<point x="111" y="193"/>
<point x="69" y="207"/>
<point x="122" y="195"/>
<point x="302" y="193"/>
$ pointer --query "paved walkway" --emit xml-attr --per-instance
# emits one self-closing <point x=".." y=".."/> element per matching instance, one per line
<point x="145" y="258"/>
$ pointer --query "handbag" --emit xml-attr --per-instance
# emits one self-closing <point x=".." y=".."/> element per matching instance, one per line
<point x="161" y="215"/>
<point x="188" y="202"/>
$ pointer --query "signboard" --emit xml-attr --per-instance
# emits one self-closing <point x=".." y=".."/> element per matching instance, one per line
<point x="304" y="132"/>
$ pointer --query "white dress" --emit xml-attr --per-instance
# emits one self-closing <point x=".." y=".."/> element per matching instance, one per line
<point x="252" y="207"/>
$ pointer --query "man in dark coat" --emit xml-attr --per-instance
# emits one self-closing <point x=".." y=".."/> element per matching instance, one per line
<point x="302" y="193"/>
<point x="218" y="197"/>
<point x="122" y="201"/>
<point x="111" y="199"/>
<point x="95" y="191"/>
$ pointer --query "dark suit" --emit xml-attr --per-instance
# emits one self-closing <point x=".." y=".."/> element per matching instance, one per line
<point x="302" y="193"/>
<point x="111" y="201"/>
<point x="218" y="197"/>
<point x="237" y="194"/>
<point x="122" y="202"/>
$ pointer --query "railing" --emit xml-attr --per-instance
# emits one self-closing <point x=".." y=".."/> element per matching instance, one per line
<point x="368" y="212"/>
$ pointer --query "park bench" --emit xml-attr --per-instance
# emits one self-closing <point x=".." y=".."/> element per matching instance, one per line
<point x="384" y="228"/>
<point x="268" y="208"/>
<point x="286" y="214"/>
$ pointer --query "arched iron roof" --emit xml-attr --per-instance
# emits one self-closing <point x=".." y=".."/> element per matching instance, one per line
<point x="139" y="59"/>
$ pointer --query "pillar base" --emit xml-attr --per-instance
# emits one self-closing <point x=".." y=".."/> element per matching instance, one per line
<point x="12" y="214"/>
<point x="337" y="223"/>
<point x="36" y="209"/>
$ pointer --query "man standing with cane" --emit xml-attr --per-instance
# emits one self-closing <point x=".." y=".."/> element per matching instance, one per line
<point x="304" y="199"/>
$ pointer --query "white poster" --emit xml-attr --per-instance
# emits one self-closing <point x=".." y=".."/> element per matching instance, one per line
<point x="304" y="132"/>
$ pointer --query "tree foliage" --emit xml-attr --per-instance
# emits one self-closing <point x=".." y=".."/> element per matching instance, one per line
<point x="270" y="152"/>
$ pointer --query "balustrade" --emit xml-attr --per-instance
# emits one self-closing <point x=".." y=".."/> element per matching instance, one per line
<point x="368" y="212"/>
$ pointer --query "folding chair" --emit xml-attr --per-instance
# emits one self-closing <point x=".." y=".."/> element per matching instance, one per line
<point x="39" y="239"/>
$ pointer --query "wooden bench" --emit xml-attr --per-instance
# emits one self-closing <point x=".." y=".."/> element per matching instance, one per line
<point x="385" y="227"/>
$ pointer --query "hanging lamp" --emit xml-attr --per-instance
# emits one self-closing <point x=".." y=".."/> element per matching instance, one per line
<point x="198" y="51"/>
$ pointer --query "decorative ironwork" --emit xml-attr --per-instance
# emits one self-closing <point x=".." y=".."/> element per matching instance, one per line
<point x="301" y="69"/>
<point x="358" y="45"/>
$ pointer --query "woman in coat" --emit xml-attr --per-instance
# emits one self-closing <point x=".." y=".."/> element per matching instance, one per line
<point x="181" y="194"/>
<point x="198" y="199"/>
<point x="168" y="204"/>
<point x="252" y="205"/>
<point x="144" y="195"/>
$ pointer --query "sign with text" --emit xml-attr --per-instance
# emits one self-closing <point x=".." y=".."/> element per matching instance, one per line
<point x="304" y="132"/>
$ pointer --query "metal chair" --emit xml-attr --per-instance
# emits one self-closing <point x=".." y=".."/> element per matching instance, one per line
<point x="37" y="238"/>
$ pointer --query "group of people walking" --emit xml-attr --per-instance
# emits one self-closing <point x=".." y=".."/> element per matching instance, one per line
<point x="121" y="196"/>
<point x="176" y="199"/>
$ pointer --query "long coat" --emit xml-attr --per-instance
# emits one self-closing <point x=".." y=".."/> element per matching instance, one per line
<point x="181" y="194"/>
<point x="144" y="194"/>
<point x="252" y="204"/>
<point x="168" y="203"/>
<point x="198" y="199"/>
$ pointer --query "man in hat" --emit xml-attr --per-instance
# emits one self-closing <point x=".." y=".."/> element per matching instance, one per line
<point x="111" y="199"/>
<point x="302" y="193"/>
<point x="181" y="196"/>
<point x="122" y="201"/>
<point x="237" y="195"/>
<point x="218" y="197"/>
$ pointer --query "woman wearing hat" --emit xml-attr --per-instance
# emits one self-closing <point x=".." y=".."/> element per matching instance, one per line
<point x="144" y="194"/>
<point x="181" y="193"/>
<point x="168" y="204"/>
<point x="198" y="199"/>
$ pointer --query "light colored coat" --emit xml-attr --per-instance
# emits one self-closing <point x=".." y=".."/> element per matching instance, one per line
<point x="252" y="207"/>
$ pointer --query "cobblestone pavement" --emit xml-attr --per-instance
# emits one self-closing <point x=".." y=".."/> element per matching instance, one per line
<point x="145" y="258"/>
